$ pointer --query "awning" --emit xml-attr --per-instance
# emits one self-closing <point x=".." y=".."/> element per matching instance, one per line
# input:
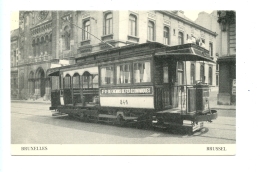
<point x="185" y="52"/>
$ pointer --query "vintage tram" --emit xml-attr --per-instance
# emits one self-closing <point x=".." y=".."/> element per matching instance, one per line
<point x="135" y="84"/>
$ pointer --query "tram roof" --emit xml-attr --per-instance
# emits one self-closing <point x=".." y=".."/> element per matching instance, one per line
<point x="185" y="52"/>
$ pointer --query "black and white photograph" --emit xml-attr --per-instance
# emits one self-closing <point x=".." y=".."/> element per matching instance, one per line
<point x="128" y="85"/>
<point x="123" y="77"/>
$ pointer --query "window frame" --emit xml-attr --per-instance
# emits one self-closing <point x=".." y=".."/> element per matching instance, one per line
<point x="202" y="66"/>
<point x="142" y="61"/>
<point x="64" y="82"/>
<point x="130" y="70"/>
<point x="85" y="35"/>
<point x="131" y="62"/>
<point x="100" y="78"/>
<point x="168" y="37"/>
<point x="148" y="30"/>
<point x="182" y="38"/>
<point x="211" y="49"/>
<point x="210" y="77"/>
<point x="130" y="22"/>
<point x="193" y="73"/>
<point x="109" y="32"/>
<point x="180" y="71"/>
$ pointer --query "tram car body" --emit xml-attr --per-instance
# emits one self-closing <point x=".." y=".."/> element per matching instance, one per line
<point x="133" y="84"/>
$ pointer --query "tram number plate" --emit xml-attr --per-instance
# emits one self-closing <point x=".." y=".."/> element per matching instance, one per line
<point x="123" y="102"/>
<point x="197" y="126"/>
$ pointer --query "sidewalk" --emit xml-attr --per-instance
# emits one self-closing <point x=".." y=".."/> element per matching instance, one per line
<point x="213" y="100"/>
<point x="40" y="100"/>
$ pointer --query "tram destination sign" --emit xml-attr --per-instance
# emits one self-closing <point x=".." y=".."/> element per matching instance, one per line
<point x="127" y="90"/>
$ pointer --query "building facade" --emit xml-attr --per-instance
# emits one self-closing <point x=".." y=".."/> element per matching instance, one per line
<point x="227" y="58"/>
<point x="224" y="23"/>
<point x="14" y="60"/>
<point x="52" y="38"/>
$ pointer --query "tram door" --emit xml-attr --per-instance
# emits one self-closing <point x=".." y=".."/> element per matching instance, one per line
<point x="170" y="97"/>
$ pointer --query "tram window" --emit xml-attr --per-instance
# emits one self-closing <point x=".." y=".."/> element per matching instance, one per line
<point x="107" y="75"/>
<point x="87" y="81"/>
<point x="76" y="81"/>
<point x="180" y="73"/>
<point x="165" y="75"/>
<point x="67" y="81"/>
<point x="142" y="72"/>
<point x="123" y="74"/>
<point x="95" y="81"/>
<point x="55" y="82"/>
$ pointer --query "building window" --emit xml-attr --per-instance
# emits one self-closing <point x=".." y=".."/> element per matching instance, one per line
<point x="86" y="26"/>
<point x="50" y="46"/>
<point x="151" y="31"/>
<point x="123" y="74"/>
<point x="192" y="74"/>
<point x="210" y="76"/>
<point x="211" y="49"/>
<point x="38" y="47"/>
<point x="107" y="75"/>
<point x="42" y="46"/>
<point x="216" y="80"/>
<point x="67" y="37"/>
<point x="180" y="73"/>
<point x="180" y="38"/>
<point x="108" y="24"/>
<point x="46" y="44"/>
<point x="142" y="72"/>
<point x="217" y="67"/>
<point x="202" y="78"/>
<point x="166" y="36"/>
<point x="132" y="25"/>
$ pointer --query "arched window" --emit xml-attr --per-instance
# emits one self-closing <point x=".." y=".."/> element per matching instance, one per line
<point x="166" y="35"/>
<point x="180" y="38"/>
<point x="42" y="45"/>
<point x="67" y="82"/>
<point x="87" y="80"/>
<point x="132" y="25"/>
<point x="38" y="47"/>
<point x="210" y="49"/>
<point x="192" y="73"/>
<point x="210" y="75"/>
<point x="34" y="48"/>
<point x="76" y="81"/>
<point x="67" y="37"/>
<point x="46" y="44"/>
<point x="86" y="27"/>
<point x="202" y="78"/>
<point x="151" y="31"/>
<point x="50" y="44"/>
<point x="108" y="24"/>
<point x="180" y="73"/>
